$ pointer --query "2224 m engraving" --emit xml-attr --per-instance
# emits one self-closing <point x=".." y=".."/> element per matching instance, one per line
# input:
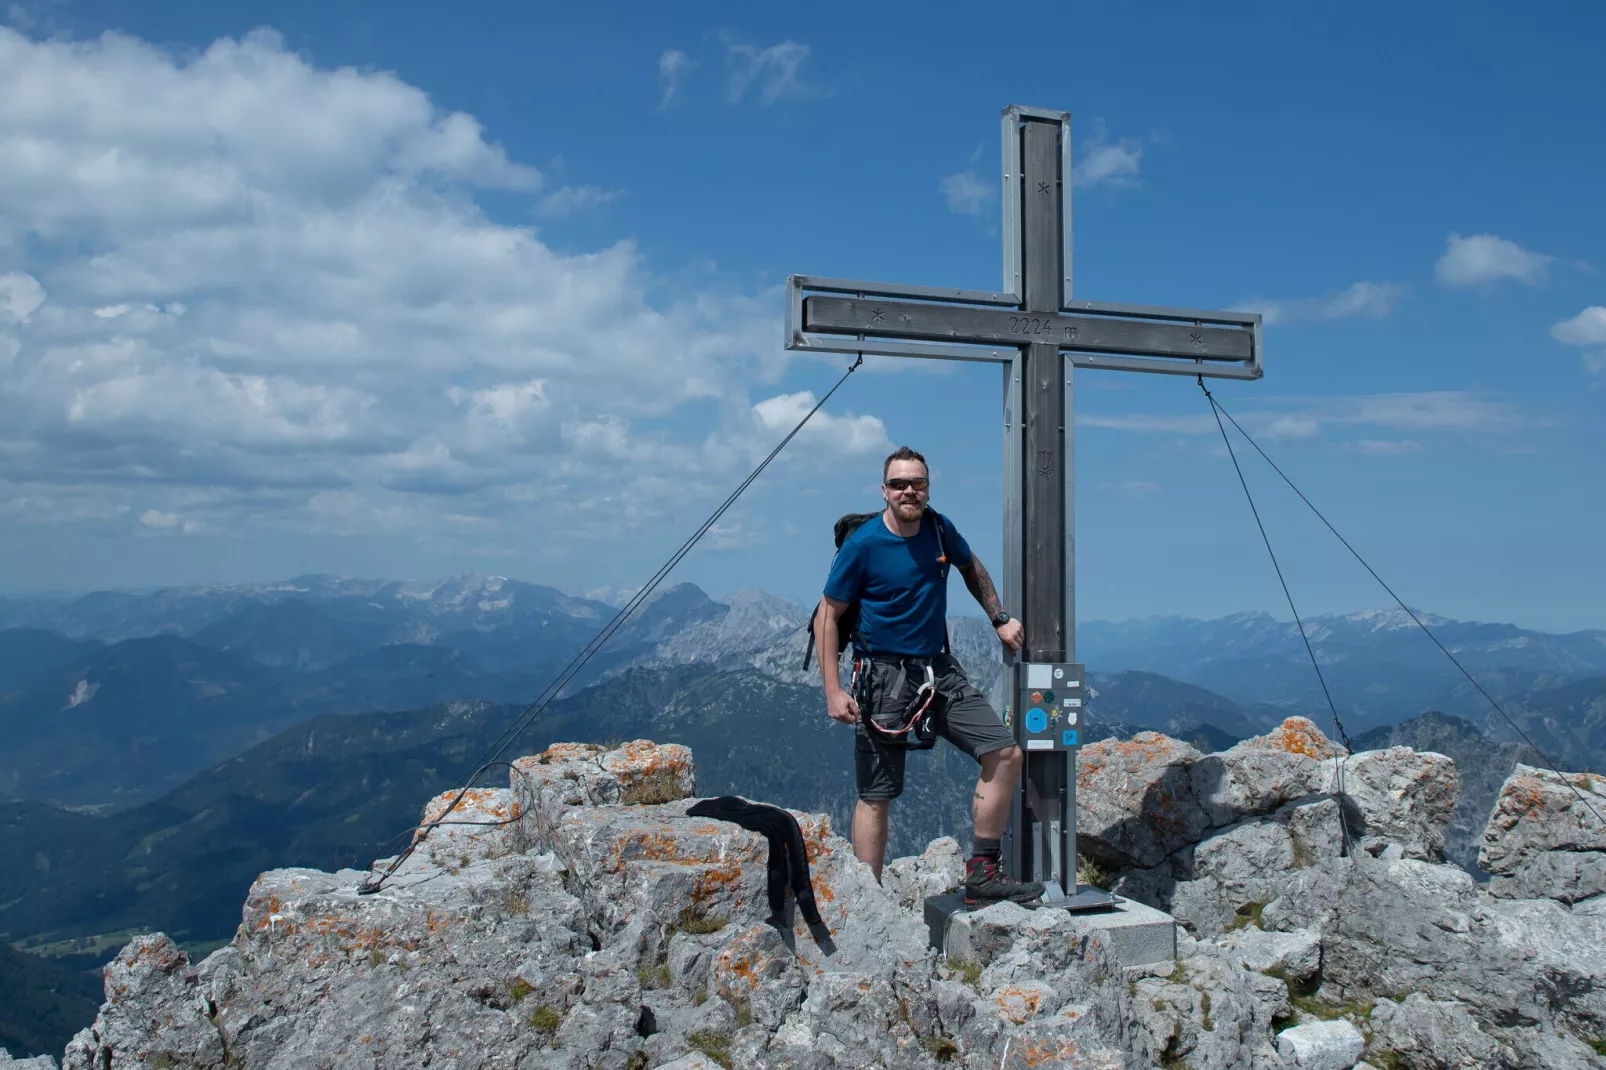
<point x="1035" y="325"/>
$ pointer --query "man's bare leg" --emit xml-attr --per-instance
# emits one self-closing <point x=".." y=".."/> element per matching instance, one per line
<point x="995" y="790"/>
<point x="870" y="833"/>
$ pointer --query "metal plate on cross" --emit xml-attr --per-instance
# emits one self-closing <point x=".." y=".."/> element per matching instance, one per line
<point x="1048" y="707"/>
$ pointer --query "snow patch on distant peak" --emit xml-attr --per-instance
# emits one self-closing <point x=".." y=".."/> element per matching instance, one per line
<point x="1392" y="619"/>
<point x="81" y="693"/>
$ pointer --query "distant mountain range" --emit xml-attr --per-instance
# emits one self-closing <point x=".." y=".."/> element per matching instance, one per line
<point x="164" y="747"/>
<point x="110" y="698"/>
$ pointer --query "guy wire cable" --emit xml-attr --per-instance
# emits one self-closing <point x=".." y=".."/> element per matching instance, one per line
<point x="1338" y="768"/>
<point x="537" y="705"/>
<point x="1555" y="766"/>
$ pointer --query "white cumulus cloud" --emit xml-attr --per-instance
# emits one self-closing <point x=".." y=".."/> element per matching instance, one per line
<point x="672" y="66"/>
<point x="1376" y="447"/>
<point x="1588" y="328"/>
<point x="567" y="200"/>
<point x="966" y="193"/>
<point x="20" y="296"/>
<point x="1483" y="258"/>
<point x="1369" y="300"/>
<point x="776" y="71"/>
<point x="1107" y="162"/>
<point x="1444" y="411"/>
<point x="266" y="289"/>
<point x="846" y="434"/>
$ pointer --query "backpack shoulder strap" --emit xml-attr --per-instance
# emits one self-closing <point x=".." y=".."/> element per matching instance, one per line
<point x="942" y="552"/>
<point x="846" y="525"/>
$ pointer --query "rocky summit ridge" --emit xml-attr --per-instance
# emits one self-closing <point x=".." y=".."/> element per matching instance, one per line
<point x="591" y="922"/>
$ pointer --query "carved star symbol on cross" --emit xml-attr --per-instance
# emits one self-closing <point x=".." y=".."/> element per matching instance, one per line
<point x="1042" y="187"/>
<point x="877" y="315"/>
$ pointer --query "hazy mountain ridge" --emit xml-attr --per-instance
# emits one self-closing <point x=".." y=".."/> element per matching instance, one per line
<point x="315" y="644"/>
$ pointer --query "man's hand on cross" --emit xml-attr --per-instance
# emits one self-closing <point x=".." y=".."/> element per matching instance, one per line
<point x="1011" y="634"/>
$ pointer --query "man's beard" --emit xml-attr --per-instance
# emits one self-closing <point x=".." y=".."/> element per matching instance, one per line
<point x="907" y="510"/>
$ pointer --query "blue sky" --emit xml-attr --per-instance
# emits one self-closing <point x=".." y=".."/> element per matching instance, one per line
<point x="408" y="290"/>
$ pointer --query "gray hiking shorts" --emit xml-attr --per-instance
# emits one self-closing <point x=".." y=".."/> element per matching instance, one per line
<point x="966" y="720"/>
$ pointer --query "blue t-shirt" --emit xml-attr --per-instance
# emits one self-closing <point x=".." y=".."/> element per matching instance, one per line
<point x="899" y="584"/>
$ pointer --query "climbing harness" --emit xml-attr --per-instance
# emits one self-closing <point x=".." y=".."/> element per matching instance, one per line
<point x="1219" y="411"/>
<point x="539" y="704"/>
<point x="912" y="726"/>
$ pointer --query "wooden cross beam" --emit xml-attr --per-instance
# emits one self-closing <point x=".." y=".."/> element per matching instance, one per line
<point x="1039" y="335"/>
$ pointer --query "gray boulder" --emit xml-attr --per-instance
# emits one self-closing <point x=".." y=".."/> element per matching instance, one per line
<point x="1135" y="799"/>
<point x="1296" y="954"/>
<point x="1436" y="1035"/>
<point x="1545" y="836"/>
<point x="937" y="869"/>
<point x="1260" y="774"/>
<point x="1335" y="1045"/>
<point x="1402" y="797"/>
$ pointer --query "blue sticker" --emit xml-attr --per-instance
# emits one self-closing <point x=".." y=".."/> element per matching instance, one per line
<point x="1036" y="720"/>
<point x="1069" y="738"/>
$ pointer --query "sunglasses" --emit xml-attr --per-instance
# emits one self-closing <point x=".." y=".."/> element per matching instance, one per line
<point x="907" y="484"/>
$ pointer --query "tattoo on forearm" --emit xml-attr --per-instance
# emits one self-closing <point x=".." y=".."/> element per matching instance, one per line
<point x="981" y="588"/>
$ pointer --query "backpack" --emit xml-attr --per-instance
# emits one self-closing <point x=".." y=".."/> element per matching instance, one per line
<point x="848" y="626"/>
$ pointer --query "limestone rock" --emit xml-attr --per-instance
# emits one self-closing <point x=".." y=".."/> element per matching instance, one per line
<point x="149" y="982"/>
<point x="1209" y="1012"/>
<point x="1335" y="1045"/>
<point x="1296" y="955"/>
<point x="1408" y="926"/>
<point x="694" y="1061"/>
<point x="1135" y="799"/>
<point x="1249" y="864"/>
<point x="568" y="775"/>
<point x="1540" y="819"/>
<point x="1403" y="796"/>
<point x="1260" y="774"/>
<point x="937" y="869"/>
<point x="1435" y="1035"/>
<point x="591" y="923"/>
<point x="33" y="1062"/>
<point x="1566" y="876"/>
<point x="1296" y="735"/>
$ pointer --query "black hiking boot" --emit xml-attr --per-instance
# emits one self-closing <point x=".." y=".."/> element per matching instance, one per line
<point x="986" y="882"/>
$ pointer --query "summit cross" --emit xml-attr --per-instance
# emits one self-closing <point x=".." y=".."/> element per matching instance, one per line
<point x="1039" y="335"/>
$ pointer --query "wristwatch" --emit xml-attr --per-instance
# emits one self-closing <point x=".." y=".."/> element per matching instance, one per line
<point x="1000" y="618"/>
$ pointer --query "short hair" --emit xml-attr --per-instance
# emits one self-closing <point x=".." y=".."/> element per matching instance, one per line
<point x="902" y="453"/>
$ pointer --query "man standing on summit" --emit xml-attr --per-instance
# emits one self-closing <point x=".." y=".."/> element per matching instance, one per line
<point x="888" y="590"/>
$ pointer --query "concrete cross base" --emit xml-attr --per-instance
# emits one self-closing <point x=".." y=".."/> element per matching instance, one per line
<point x="1136" y="935"/>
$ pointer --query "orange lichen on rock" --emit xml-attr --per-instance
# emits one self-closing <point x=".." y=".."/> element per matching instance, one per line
<point x="1040" y="1052"/>
<point x="816" y="830"/>
<point x="1017" y="1003"/>
<point x="716" y="880"/>
<point x="479" y="804"/>
<point x="1144" y="750"/>
<point x="1297" y="735"/>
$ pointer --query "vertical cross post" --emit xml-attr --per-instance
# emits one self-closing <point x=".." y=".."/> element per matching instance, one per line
<point x="1043" y="830"/>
